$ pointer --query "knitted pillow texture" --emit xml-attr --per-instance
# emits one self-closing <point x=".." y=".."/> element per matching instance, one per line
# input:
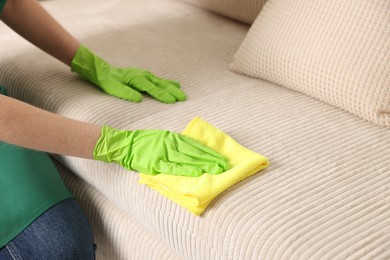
<point x="336" y="51"/>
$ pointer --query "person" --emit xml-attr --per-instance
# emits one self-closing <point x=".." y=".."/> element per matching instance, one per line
<point x="39" y="217"/>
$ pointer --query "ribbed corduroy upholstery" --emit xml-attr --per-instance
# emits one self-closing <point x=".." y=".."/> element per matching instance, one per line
<point x="325" y="194"/>
<point x="336" y="51"/>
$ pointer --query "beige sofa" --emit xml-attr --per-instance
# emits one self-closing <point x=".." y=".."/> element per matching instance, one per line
<point x="316" y="104"/>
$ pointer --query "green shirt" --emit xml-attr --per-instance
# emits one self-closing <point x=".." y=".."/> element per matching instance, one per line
<point x="2" y="3"/>
<point x="29" y="185"/>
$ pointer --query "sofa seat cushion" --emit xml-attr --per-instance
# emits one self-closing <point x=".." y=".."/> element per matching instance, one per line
<point x="324" y="194"/>
<point x="326" y="191"/>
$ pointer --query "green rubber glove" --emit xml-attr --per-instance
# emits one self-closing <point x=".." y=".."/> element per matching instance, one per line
<point x="125" y="83"/>
<point x="157" y="151"/>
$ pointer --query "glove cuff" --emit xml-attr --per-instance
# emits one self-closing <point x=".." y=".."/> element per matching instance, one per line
<point x="88" y="65"/>
<point x="113" y="145"/>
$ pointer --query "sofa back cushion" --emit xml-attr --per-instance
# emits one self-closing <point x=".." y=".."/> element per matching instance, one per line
<point x="336" y="51"/>
<point x="242" y="10"/>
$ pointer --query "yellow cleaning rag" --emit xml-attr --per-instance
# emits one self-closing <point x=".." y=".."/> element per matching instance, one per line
<point x="195" y="193"/>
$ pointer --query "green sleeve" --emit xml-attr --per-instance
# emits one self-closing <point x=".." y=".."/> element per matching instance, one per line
<point x="2" y="4"/>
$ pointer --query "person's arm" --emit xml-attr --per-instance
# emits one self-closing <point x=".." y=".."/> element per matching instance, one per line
<point x="146" y="151"/>
<point x="29" y="19"/>
<point x="25" y="125"/>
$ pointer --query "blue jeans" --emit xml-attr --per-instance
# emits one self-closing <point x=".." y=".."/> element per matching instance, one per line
<point x="62" y="232"/>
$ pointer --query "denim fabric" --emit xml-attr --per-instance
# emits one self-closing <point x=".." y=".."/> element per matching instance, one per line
<point x="62" y="232"/>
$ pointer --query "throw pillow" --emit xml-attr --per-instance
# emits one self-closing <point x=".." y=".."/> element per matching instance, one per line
<point x="336" y="51"/>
